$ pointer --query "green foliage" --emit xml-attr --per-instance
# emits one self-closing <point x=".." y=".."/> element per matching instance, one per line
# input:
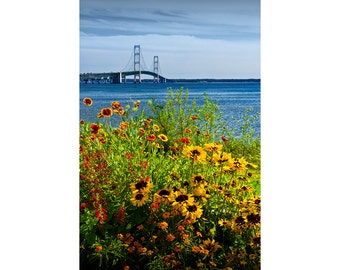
<point x="172" y="190"/>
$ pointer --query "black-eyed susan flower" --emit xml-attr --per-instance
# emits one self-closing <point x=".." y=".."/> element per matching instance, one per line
<point x="163" y="137"/>
<point x="237" y="164"/>
<point x="181" y="198"/>
<point x="87" y="101"/>
<point x="221" y="159"/>
<point x="106" y="112"/>
<point x="254" y="219"/>
<point x="139" y="198"/>
<point x="213" y="147"/>
<point x="164" y="195"/>
<point x="192" y="210"/>
<point x="210" y="245"/>
<point x="198" y="179"/>
<point x="200" y="192"/>
<point x="142" y="186"/>
<point x="224" y="223"/>
<point x="195" y="152"/>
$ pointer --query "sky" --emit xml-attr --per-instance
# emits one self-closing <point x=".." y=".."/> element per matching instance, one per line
<point x="193" y="39"/>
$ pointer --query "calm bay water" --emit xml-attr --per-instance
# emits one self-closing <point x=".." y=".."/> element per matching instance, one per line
<point x="233" y="98"/>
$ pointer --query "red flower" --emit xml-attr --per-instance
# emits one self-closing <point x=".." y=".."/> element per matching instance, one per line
<point x="185" y="140"/>
<point x="94" y="128"/>
<point x="106" y="112"/>
<point x="151" y="137"/>
<point x="87" y="101"/>
<point x="224" y="139"/>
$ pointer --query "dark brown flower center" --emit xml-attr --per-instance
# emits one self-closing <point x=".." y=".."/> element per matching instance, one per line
<point x="182" y="198"/>
<point x="164" y="192"/>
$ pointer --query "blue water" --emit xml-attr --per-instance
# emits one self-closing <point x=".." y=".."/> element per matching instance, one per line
<point x="233" y="98"/>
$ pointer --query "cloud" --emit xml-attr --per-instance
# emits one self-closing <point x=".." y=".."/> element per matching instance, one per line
<point x="194" y="39"/>
<point x="213" y="19"/>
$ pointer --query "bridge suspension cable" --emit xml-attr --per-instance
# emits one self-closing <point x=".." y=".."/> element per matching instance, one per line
<point x="129" y="65"/>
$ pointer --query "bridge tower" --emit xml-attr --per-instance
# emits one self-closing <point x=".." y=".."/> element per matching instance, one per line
<point x="155" y="69"/>
<point x="136" y="64"/>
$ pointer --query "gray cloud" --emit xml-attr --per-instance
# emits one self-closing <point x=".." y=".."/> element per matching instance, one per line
<point x="213" y="19"/>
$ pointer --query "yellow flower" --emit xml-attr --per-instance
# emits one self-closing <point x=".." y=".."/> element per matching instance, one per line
<point x="164" y="195"/>
<point x="138" y="198"/>
<point x="181" y="198"/>
<point x="142" y="186"/>
<point x="199" y="191"/>
<point x="224" y="223"/>
<point x="156" y="127"/>
<point x="163" y="137"/>
<point x="195" y="152"/>
<point x="221" y="158"/>
<point x="192" y="211"/>
<point x="198" y="179"/>
<point x="213" y="147"/>
<point x="238" y="164"/>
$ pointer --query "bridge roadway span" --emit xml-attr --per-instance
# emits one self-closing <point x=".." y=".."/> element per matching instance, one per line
<point x="117" y="77"/>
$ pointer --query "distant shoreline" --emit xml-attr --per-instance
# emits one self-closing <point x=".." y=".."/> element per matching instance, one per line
<point x="198" y="80"/>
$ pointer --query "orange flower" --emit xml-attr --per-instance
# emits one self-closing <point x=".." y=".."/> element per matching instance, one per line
<point x="116" y="105"/>
<point x="107" y="112"/>
<point x="170" y="237"/>
<point x="99" y="248"/>
<point x="194" y="117"/>
<point x="195" y="249"/>
<point x="188" y="130"/>
<point x="163" y="225"/>
<point x="87" y="101"/>
<point x="166" y="215"/>
<point x="124" y="125"/>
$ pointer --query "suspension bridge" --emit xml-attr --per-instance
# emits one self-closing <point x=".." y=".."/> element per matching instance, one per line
<point x="139" y="68"/>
